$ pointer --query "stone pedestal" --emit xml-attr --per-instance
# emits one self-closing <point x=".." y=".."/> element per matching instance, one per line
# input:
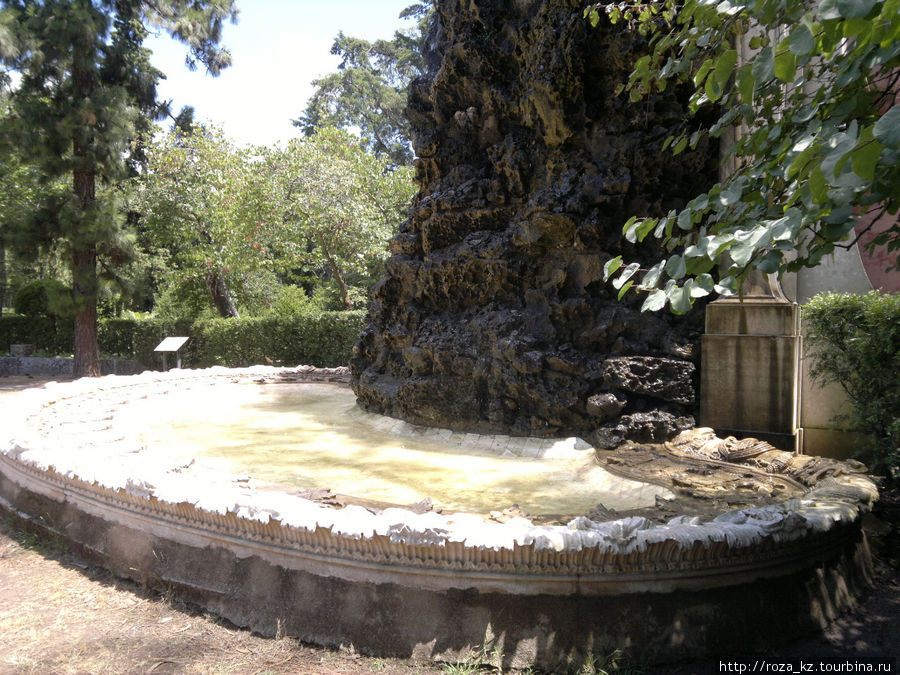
<point x="750" y="369"/>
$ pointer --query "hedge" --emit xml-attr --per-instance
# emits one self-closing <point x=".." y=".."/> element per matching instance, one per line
<point x="854" y="340"/>
<point x="48" y="334"/>
<point x="323" y="339"/>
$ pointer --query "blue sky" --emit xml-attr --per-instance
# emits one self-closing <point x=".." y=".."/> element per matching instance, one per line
<point x="278" y="47"/>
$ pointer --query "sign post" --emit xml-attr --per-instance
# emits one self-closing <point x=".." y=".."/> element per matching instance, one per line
<point x="171" y="344"/>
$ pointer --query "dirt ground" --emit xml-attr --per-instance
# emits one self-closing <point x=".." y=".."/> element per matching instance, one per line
<point x="61" y="615"/>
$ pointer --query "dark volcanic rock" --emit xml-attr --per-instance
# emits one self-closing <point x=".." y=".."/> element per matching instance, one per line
<point x="654" y="426"/>
<point x="668" y="379"/>
<point x="604" y="406"/>
<point x="493" y="314"/>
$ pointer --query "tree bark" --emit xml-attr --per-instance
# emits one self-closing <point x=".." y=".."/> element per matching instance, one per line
<point x="336" y="273"/>
<point x="221" y="296"/>
<point x="87" y="352"/>
<point x="3" y="278"/>
<point x="84" y="255"/>
<point x="84" y="289"/>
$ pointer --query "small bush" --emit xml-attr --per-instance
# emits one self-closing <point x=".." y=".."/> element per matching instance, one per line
<point x="116" y="337"/>
<point x="42" y="297"/>
<point x="854" y="340"/>
<point x="188" y="298"/>
<point x="291" y="301"/>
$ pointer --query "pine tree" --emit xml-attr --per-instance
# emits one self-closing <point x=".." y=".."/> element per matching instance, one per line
<point x="369" y="91"/>
<point x="86" y="90"/>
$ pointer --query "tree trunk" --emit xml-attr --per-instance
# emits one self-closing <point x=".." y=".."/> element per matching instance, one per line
<point x="84" y="289"/>
<point x="84" y="286"/>
<point x="221" y="297"/>
<point x="336" y="273"/>
<point x="84" y="273"/>
<point x="84" y="255"/>
<point x="3" y="278"/>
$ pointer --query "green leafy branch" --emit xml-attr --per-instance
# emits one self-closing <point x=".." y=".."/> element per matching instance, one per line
<point x="810" y="92"/>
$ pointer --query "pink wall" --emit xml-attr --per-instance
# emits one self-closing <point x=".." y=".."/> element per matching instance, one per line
<point x="876" y="263"/>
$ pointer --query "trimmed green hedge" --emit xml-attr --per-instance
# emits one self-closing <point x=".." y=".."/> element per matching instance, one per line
<point x="45" y="333"/>
<point x="323" y="339"/>
<point x="854" y="340"/>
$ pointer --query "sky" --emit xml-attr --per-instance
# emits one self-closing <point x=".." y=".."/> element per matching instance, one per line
<point x="278" y="47"/>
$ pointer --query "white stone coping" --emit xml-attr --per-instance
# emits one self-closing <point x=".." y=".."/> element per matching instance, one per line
<point x="204" y="485"/>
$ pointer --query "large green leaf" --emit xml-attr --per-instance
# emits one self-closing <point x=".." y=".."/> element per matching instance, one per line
<point x="764" y="65"/>
<point x="865" y="158"/>
<point x="651" y="278"/>
<point x="785" y="65"/>
<point x="828" y="10"/>
<point x="721" y="73"/>
<point x="655" y="301"/>
<point x="629" y="229"/>
<point x="732" y="193"/>
<point x="627" y="272"/>
<point x="818" y="185"/>
<point x="746" y="83"/>
<point x="676" y="267"/>
<point x="611" y="266"/>
<point x="839" y="149"/>
<point x="855" y="9"/>
<point x="887" y="129"/>
<point x="702" y="72"/>
<point x="680" y="300"/>
<point x="801" y="40"/>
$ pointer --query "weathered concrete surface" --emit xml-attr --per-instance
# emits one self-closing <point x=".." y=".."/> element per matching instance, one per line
<point x="493" y="314"/>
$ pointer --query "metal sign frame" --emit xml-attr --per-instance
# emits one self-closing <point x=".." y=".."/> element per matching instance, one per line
<point x="168" y="345"/>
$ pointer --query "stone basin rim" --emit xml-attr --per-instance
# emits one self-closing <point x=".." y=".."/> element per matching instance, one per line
<point x="755" y="541"/>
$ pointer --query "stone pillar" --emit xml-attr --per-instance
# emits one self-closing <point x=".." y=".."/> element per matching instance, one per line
<point x="749" y="383"/>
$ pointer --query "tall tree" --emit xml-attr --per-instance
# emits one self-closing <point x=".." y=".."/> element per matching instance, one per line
<point x="86" y="86"/>
<point x="340" y="205"/>
<point x="208" y="204"/>
<point x="368" y="92"/>
<point x="816" y="100"/>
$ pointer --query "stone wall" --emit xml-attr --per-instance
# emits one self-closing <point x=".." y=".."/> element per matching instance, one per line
<point x="36" y="365"/>
<point x="493" y="315"/>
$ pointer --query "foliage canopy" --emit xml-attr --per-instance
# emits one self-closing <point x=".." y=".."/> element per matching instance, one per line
<point x="339" y="205"/>
<point x="812" y="89"/>
<point x="319" y="210"/>
<point x="368" y="92"/>
<point x="204" y="209"/>
<point x="85" y="90"/>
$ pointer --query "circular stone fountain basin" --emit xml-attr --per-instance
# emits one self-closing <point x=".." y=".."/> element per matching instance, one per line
<point x="95" y="462"/>
<point x="313" y="435"/>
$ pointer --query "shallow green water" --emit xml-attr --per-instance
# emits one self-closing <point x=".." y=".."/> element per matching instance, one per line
<point x="313" y="435"/>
